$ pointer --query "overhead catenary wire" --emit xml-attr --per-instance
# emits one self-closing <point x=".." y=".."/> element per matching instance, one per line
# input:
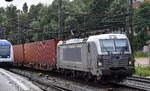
<point x="105" y="21"/>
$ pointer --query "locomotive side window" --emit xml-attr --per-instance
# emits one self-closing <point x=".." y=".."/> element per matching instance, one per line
<point x="4" y="51"/>
<point x="72" y="54"/>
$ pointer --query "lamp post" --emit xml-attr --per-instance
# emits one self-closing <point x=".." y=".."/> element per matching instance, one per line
<point x="131" y="13"/>
<point x="18" y="33"/>
<point x="131" y="22"/>
<point x="61" y="20"/>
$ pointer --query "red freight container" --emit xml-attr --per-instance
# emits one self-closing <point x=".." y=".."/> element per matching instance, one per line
<point x="39" y="55"/>
<point x="18" y="53"/>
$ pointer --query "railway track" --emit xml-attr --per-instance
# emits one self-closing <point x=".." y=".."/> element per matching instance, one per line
<point x="46" y="82"/>
<point x="140" y="83"/>
<point x="55" y="83"/>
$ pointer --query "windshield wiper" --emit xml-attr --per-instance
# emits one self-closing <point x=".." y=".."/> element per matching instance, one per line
<point x="107" y="50"/>
<point x="122" y="51"/>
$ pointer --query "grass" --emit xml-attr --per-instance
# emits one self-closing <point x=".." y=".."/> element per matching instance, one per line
<point x="143" y="71"/>
<point x="140" y="54"/>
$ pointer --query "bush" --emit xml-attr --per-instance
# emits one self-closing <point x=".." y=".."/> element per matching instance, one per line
<point x="140" y="54"/>
<point x="142" y="71"/>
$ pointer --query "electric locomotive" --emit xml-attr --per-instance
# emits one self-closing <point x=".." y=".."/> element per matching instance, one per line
<point x="6" y="52"/>
<point x="98" y="56"/>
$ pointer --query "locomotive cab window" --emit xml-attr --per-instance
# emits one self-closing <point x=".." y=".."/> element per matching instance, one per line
<point x="107" y="45"/>
<point x="4" y="51"/>
<point x="114" y="45"/>
<point x="121" y="45"/>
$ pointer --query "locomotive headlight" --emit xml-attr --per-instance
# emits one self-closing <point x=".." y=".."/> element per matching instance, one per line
<point x="130" y="62"/>
<point x="99" y="64"/>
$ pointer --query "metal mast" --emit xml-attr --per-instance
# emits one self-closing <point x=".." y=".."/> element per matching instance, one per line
<point x="60" y="17"/>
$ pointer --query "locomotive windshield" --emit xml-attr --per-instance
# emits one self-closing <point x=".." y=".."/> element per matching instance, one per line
<point x="114" y="45"/>
<point x="4" y="51"/>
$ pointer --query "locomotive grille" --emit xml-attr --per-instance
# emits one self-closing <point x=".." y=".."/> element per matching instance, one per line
<point x="115" y="60"/>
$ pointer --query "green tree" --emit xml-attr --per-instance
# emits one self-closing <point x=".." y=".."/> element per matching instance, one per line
<point x="81" y="6"/>
<point x="142" y="24"/>
<point x="118" y="7"/>
<point x="25" y="8"/>
<point x="100" y="6"/>
<point x="142" y="17"/>
<point x="11" y="23"/>
<point x="2" y="16"/>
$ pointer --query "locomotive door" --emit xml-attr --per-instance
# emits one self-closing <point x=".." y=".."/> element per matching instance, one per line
<point x="85" y="57"/>
<point x="93" y="54"/>
<point x="89" y="59"/>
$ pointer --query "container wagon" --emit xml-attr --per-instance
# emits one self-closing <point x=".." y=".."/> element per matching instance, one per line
<point x="38" y="55"/>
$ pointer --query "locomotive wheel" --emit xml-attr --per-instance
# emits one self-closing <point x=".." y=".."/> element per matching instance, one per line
<point x="97" y="79"/>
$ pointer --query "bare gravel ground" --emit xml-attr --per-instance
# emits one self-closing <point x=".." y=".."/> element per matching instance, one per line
<point x="141" y="62"/>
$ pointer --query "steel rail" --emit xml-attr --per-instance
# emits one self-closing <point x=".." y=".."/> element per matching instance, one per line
<point x="52" y="85"/>
<point x="136" y="82"/>
<point x="46" y="82"/>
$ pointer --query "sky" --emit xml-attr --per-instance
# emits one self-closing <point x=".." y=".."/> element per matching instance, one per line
<point x="19" y="3"/>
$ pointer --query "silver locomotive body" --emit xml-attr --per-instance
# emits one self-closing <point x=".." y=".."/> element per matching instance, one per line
<point x="96" y="55"/>
<point x="73" y="56"/>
